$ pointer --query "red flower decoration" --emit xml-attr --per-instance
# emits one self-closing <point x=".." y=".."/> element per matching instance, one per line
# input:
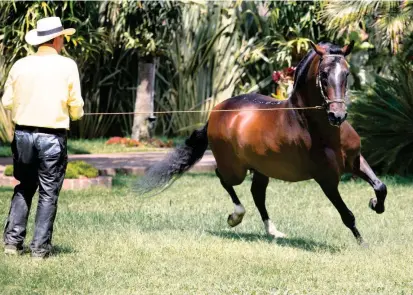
<point x="276" y="76"/>
<point x="290" y="71"/>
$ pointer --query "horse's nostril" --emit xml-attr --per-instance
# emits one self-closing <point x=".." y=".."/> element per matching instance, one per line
<point x="337" y="117"/>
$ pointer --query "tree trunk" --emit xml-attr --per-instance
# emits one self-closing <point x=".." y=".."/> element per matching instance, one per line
<point x="143" y="123"/>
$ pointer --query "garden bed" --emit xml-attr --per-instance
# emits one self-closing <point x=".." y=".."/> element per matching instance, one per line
<point x="79" y="175"/>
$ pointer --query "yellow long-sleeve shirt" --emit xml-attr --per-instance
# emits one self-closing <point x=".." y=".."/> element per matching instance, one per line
<point x="43" y="90"/>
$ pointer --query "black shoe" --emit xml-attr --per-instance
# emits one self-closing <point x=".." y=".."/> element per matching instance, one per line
<point x="41" y="252"/>
<point x="13" y="250"/>
<point x="40" y="255"/>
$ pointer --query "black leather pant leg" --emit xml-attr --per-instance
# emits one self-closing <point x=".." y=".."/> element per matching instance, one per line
<point x="25" y="171"/>
<point x="53" y="161"/>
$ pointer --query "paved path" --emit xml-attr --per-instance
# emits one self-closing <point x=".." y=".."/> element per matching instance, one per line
<point x="130" y="163"/>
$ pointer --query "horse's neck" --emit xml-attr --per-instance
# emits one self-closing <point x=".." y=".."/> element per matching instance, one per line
<point x="298" y="100"/>
<point x="306" y="95"/>
<point x="315" y="121"/>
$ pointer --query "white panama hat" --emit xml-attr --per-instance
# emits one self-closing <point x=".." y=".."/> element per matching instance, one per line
<point x="47" y="29"/>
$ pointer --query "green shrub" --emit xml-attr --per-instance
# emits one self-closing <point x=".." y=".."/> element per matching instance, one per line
<point x="383" y="117"/>
<point x="9" y="170"/>
<point x="80" y="168"/>
<point x="74" y="170"/>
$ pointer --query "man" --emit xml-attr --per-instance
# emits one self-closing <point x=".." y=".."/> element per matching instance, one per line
<point x="43" y="93"/>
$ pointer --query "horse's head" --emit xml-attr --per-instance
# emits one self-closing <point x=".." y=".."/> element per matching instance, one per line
<point x="332" y="73"/>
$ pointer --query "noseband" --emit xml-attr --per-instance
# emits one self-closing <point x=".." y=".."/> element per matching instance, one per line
<point x="327" y="101"/>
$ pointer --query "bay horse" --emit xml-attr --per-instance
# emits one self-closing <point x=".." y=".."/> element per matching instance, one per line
<point x="304" y="137"/>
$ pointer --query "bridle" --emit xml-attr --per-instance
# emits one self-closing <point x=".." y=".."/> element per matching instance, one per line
<point x="327" y="101"/>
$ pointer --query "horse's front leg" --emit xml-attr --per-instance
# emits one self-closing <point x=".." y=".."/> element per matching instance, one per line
<point x="362" y="169"/>
<point x="330" y="188"/>
<point x="328" y="177"/>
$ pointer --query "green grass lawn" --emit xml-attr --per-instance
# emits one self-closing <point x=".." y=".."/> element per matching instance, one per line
<point x="112" y="242"/>
<point x="98" y="146"/>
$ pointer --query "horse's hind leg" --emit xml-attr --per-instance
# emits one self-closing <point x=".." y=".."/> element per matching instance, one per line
<point x="362" y="169"/>
<point x="258" y="190"/>
<point x="331" y="191"/>
<point x="236" y="217"/>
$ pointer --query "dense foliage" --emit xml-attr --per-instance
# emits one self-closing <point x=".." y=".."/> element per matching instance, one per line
<point x="383" y="116"/>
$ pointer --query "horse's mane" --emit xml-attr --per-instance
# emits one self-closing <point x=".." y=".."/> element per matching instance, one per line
<point x="303" y="66"/>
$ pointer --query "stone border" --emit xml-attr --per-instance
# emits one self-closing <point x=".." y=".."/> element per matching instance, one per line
<point x="68" y="184"/>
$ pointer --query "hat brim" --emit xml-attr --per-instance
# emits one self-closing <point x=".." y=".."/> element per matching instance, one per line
<point x="32" y="38"/>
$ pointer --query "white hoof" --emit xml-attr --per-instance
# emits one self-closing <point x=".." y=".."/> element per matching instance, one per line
<point x="272" y="230"/>
<point x="236" y="218"/>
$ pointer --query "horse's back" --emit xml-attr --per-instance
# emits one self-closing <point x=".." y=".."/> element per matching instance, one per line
<point x="252" y="100"/>
<point x="238" y="115"/>
<point x="271" y="142"/>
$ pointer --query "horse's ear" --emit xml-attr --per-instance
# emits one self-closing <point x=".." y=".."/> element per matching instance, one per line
<point x="347" y="48"/>
<point x="320" y="50"/>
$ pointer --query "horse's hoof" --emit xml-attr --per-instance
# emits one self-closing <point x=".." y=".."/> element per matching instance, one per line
<point x="234" y="219"/>
<point x="378" y="207"/>
<point x="277" y="235"/>
<point x="272" y="231"/>
<point x="362" y="243"/>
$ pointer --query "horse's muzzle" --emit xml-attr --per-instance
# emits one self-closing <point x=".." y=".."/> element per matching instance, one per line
<point x="336" y="118"/>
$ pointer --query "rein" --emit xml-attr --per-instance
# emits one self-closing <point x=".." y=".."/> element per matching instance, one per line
<point x="325" y="104"/>
<point x="327" y="101"/>
<point x="206" y="111"/>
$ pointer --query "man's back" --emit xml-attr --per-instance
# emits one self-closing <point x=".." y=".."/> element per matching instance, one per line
<point x="46" y="90"/>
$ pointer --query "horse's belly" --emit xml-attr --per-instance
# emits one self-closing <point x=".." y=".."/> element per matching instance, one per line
<point x="288" y="168"/>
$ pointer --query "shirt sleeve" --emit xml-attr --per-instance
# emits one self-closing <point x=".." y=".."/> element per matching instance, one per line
<point x="7" y="99"/>
<point x="75" y="101"/>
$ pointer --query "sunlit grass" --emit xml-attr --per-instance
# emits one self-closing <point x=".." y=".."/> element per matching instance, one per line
<point x="112" y="242"/>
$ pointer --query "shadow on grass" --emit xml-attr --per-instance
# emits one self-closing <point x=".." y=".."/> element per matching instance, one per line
<point x="61" y="250"/>
<point x="299" y="243"/>
<point x="56" y="250"/>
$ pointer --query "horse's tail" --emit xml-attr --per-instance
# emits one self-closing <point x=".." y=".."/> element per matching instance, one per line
<point x="180" y="160"/>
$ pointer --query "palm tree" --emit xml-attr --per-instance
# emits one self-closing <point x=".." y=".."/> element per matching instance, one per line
<point x="387" y="22"/>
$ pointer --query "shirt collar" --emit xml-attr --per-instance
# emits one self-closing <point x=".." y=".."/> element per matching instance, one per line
<point x="45" y="50"/>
